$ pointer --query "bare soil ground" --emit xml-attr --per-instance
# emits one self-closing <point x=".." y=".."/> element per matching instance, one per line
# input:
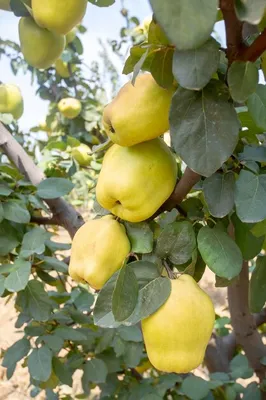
<point x="17" y="388"/>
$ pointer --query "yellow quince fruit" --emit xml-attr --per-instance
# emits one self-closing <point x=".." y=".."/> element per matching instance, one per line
<point x="82" y="155"/>
<point x="11" y="101"/>
<point x="99" y="249"/>
<point x="59" y="16"/>
<point x="39" y="46"/>
<point x="5" y="5"/>
<point x="69" y="107"/>
<point x="135" y="181"/>
<point x="138" y="113"/>
<point x="177" y="334"/>
<point x="62" y="69"/>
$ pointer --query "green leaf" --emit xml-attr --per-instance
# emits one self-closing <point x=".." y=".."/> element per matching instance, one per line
<point x="16" y="211"/>
<point x="136" y="52"/>
<point x="257" y="106"/>
<point x="257" y="286"/>
<point x="177" y="18"/>
<point x="52" y="188"/>
<point x="69" y="333"/>
<point x="219" y="252"/>
<point x="218" y="191"/>
<point x="195" y="388"/>
<point x="5" y="190"/>
<point x="1" y="213"/>
<point x="16" y="352"/>
<point x="102" y="313"/>
<point x="176" y="242"/>
<point x="194" y="68"/>
<point x="151" y="297"/>
<point x="95" y="371"/>
<point x="84" y="301"/>
<point x="34" y="242"/>
<point x="161" y="67"/>
<point x="247" y="122"/>
<point x="249" y="244"/>
<point x="250" y="197"/>
<point x="156" y="35"/>
<point x="138" y="66"/>
<point x="62" y="371"/>
<point x="252" y="392"/>
<point x="145" y="272"/>
<point x="250" y="10"/>
<point x="253" y="153"/>
<point x="239" y="367"/>
<point x="242" y="80"/>
<point x="17" y="280"/>
<point x="19" y="9"/>
<point x="102" y="3"/>
<point x="55" y="343"/>
<point x="38" y="302"/>
<point x="259" y="229"/>
<point x="54" y="263"/>
<point x="2" y="284"/>
<point x="140" y="236"/>
<point x="130" y="333"/>
<point x="204" y="127"/>
<point x="105" y="341"/>
<point x="125" y="293"/>
<point x="8" y="238"/>
<point x="40" y="363"/>
<point x="133" y="354"/>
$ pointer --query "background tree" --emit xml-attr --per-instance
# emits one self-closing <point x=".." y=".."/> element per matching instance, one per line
<point x="217" y="128"/>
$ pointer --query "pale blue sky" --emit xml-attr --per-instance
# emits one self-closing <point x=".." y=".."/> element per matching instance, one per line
<point x="103" y="23"/>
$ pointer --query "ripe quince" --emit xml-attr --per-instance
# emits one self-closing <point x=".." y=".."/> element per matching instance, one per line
<point x="177" y="334"/>
<point x="138" y="113"/>
<point x="62" y="69"/>
<point x="135" y="181"/>
<point x="59" y="16"/>
<point x="82" y="155"/>
<point x="39" y="46"/>
<point x="99" y="249"/>
<point x="69" y="107"/>
<point x="11" y="101"/>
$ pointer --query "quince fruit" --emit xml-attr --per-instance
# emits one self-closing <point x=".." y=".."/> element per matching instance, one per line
<point x="135" y="181"/>
<point x="99" y="249"/>
<point x="59" y="16"/>
<point x="69" y="107"/>
<point x="5" y="5"/>
<point x="70" y="36"/>
<point x="177" y="334"/>
<point x="138" y="113"/>
<point x="62" y="69"/>
<point x="39" y="46"/>
<point x="11" y="101"/>
<point x="82" y="155"/>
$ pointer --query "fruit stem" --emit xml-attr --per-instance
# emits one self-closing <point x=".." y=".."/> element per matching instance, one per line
<point x="170" y="273"/>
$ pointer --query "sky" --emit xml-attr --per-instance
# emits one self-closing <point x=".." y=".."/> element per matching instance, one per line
<point x="101" y="23"/>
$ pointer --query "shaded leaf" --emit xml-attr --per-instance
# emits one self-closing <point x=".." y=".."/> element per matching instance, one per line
<point x="145" y="272"/>
<point x="195" y="388"/>
<point x="17" y="280"/>
<point x="161" y="67"/>
<point x="62" y="371"/>
<point x="176" y="242"/>
<point x="194" y="68"/>
<point x="249" y="244"/>
<point x="95" y="370"/>
<point x="69" y="333"/>
<point x="51" y="188"/>
<point x="133" y="354"/>
<point x="38" y="302"/>
<point x="16" y="211"/>
<point x="40" y="363"/>
<point x="242" y="80"/>
<point x="250" y="10"/>
<point x="239" y="367"/>
<point x="5" y="190"/>
<point x="177" y="18"/>
<point x="34" y="242"/>
<point x="218" y="191"/>
<point x="204" y="127"/>
<point x="220" y="252"/>
<point x="257" y="286"/>
<point x="130" y="333"/>
<point x="250" y="197"/>
<point x="140" y="236"/>
<point x="257" y="106"/>
<point x="125" y="293"/>
<point x="16" y="352"/>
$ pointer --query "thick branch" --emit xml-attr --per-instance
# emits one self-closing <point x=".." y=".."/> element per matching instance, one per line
<point x="63" y="212"/>
<point x="44" y="220"/>
<point x="244" y="323"/>
<point x="257" y="48"/>
<point x="183" y="187"/>
<point x="233" y="29"/>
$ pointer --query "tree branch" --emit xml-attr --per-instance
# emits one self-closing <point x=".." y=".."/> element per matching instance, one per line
<point x="183" y="187"/>
<point x="63" y="212"/>
<point x="255" y="50"/>
<point x="44" y="220"/>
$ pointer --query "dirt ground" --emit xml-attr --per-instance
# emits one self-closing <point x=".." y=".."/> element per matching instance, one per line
<point x="17" y="388"/>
